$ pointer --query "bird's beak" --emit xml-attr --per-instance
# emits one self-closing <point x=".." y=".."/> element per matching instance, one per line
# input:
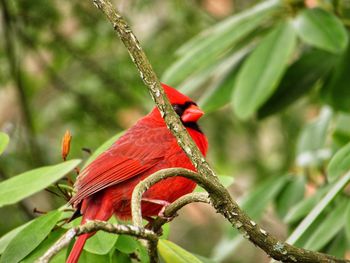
<point x="192" y="114"/>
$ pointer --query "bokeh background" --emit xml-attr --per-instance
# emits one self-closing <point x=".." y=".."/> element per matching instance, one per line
<point x="62" y="67"/>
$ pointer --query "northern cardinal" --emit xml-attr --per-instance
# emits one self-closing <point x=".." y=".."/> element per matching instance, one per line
<point x="105" y="186"/>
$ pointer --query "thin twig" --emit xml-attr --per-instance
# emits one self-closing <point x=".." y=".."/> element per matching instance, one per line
<point x="143" y="186"/>
<point x="62" y="242"/>
<point x="93" y="226"/>
<point x="139" y="232"/>
<point x="171" y="210"/>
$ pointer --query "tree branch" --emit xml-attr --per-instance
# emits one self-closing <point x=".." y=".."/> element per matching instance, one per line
<point x="132" y="230"/>
<point x="185" y="200"/>
<point x="93" y="226"/>
<point x="219" y="196"/>
<point x="171" y="210"/>
<point x="144" y="185"/>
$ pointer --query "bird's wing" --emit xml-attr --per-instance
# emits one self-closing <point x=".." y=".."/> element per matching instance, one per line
<point x="141" y="148"/>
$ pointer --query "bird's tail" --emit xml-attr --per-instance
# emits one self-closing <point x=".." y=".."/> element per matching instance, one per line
<point x="77" y="248"/>
<point x="98" y="207"/>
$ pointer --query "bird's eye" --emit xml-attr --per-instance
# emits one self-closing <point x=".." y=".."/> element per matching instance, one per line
<point x="178" y="109"/>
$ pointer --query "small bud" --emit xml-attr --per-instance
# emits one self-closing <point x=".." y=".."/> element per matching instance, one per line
<point x="66" y="144"/>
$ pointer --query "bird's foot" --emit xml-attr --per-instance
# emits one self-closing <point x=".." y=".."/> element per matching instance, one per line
<point x="163" y="216"/>
<point x="164" y="204"/>
<point x="156" y="201"/>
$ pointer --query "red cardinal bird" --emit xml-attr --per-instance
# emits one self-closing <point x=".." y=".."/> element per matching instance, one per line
<point x="105" y="186"/>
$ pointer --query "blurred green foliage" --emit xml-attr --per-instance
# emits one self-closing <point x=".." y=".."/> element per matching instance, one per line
<point x="273" y="77"/>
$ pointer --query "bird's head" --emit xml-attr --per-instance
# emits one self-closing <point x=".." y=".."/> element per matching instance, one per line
<point x="186" y="108"/>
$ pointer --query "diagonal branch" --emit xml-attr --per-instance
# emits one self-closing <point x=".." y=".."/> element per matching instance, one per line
<point x="171" y="210"/>
<point x="219" y="196"/>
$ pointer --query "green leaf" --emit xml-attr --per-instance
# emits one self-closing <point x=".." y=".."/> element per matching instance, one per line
<point x="213" y="71"/>
<point x="339" y="164"/>
<point x="44" y="246"/>
<point x="126" y="244"/>
<point x="103" y="148"/>
<point x="4" y="140"/>
<point x="338" y="246"/>
<point x="60" y="256"/>
<point x="347" y="223"/>
<point x="336" y="91"/>
<point x="172" y="253"/>
<point x="291" y="194"/>
<point x="217" y="40"/>
<point x="212" y="74"/>
<point x="299" y="79"/>
<point x="30" y="237"/>
<point x="329" y="227"/>
<point x="341" y="135"/>
<point x="300" y="210"/>
<point x="256" y="202"/>
<point x="88" y="257"/>
<point x="142" y="253"/>
<point x="311" y="149"/>
<point x="321" y="29"/>
<point x="6" y="239"/>
<point x="318" y="209"/>
<point x="310" y="230"/>
<point x="28" y="183"/>
<point x="166" y="231"/>
<point x="102" y="242"/>
<point x="204" y="259"/>
<point x="221" y="26"/>
<point x="220" y="95"/>
<point x="262" y="70"/>
<point x="119" y="257"/>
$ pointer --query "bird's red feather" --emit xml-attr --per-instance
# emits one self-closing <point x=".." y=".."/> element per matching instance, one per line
<point x="105" y="186"/>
